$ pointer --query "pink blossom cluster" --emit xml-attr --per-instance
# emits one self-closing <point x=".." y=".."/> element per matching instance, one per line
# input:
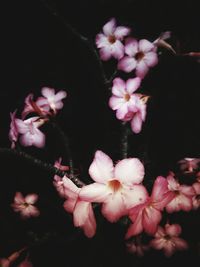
<point x="120" y="190"/>
<point x="26" y="129"/>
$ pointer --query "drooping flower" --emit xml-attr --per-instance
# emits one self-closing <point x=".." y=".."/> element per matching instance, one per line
<point x="183" y="195"/>
<point x="25" y="205"/>
<point x="110" y="41"/>
<point x="30" y="134"/>
<point x="140" y="56"/>
<point x="13" y="133"/>
<point x="196" y="197"/>
<point x="118" y="188"/>
<point x="147" y="216"/>
<point x="123" y="96"/>
<point x="83" y="215"/>
<point x="189" y="165"/>
<point x="51" y="99"/>
<point x="167" y="239"/>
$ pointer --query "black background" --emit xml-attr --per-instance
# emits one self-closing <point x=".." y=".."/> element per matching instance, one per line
<point x="37" y="50"/>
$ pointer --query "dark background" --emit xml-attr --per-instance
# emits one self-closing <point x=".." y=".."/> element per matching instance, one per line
<point x="37" y="50"/>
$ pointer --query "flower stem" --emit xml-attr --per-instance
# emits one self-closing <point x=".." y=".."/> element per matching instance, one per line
<point x="124" y="140"/>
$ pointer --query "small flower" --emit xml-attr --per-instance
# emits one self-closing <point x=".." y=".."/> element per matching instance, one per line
<point x="118" y="188"/>
<point x="30" y="134"/>
<point x="140" y="56"/>
<point x="123" y="97"/>
<point x="51" y="99"/>
<point x="167" y="239"/>
<point x="83" y="215"/>
<point x="13" y="133"/>
<point x="109" y="41"/>
<point x="25" y="205"/>
<point x="137" y="247"/>
<point x="189" y="165"/>
<point x="183" y="195"/>
<point x="148" y="215"/>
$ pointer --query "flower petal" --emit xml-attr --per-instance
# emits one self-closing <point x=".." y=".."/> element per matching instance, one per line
<point x="109" y="27"/>
<point x="145" y="46"/>
<point x="127" y="64"/>
<point x="133" y="84"/>
<point x="121" y="31"/>
<point x="31" y="198"/>
<point x="131" y="47"/>
<point x="94" y="193"/>
<point x="117" y="50"/>
<point x="141" y="69"/>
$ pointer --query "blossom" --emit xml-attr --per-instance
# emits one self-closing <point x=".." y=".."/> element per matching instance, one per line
<point x="13" y="133"/>
<point x="30" y="134"/>
<point x="140" y="56"/>
<point x="25" y="205"/>
<point x="137" y="247"/>
<point x="51" y="99"/>
<point x="188" y="165"/>
<point x="183" y="195"/>
<point x="123" y="97"/>
<point x="118" y="188"/>
<point x="110" y="41"/>
<point x="83" y="215"/>
<point x="196" y="197"/>
<point x="148" y="215"/>
<point x="167" y="239"/>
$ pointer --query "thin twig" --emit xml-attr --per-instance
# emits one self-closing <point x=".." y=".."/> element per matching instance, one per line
<point x="124" y="140"/>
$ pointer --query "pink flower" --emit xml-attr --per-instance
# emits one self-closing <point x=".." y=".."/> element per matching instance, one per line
<point x="13" y="133"/>
<point x="140" y="57"/>
<point x="123" y="97"/>
<point x="148" y="215"/>
<point x="51" y="99"/>
<point x="109" y="41"/>
<point x="25" y="263"/>
<point x="183" y="195"/>
<point x="167" y="239"/>
<point x="83" y="214"/>
<point x="30" y="134"/>
<point x="196" y="198"/>
<point x="137" y="247"/>
<point x="118" y="188"/>
<point x="189" y="165"/>
<point x="25" y="205"/>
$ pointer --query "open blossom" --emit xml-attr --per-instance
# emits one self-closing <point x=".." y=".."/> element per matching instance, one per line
<point x="25" y="205"/>
<point x="196" y="197"/>
<point x="147" y="216"/>
<point x="13" y="133"/>
<point x="83" y="215"/>
<point x="118" y="188"/>
<point x="123" y="96"/>
<point x="30" y="134"/>
<point x="189" y="165"/>
<point x="183" y="195"/>
<point x="140" y="56"/>
<point x="110" y="41"/>
<point x="168" y="239"/>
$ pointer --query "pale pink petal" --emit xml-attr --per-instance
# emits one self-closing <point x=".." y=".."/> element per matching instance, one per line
<point x="157" y="243"/>
<point x="119" y="87"/>
<point x="131" y="47"/>
<point x="196" y="187"/>
<point x="114" y="208"/>
<point x="69" y="204"/>
<point x="19" y="199"/>
<point x="69" y="185"/>
<point x="180" y="243"/>
<point x="31" y="198"/>
<point x="115" y="102"/>
<point x="105" y="53"/>
<point x="129" y="171"/>
<point x="135" y="228"/>
<point x="141" y="69"/>
<point x="173" y="229"/>
<point x="60" y="95"/>
<point x="59" y="105"/>
<point x="118" y="50"/>
<point x="95" y="192"/>
<point x="145" y="45"/>
<point x="101" y="169"/>
<point x="133" y="84"/>
<point x="109" y="27"/>
<point x="121" y="31"/>
<point x="89" y="227"/>
<point x="169" y="249"/>
<point x="122" y="111"/>
<point x="151" y="219"/>
<point x="136" y="123"/>
<point x="127" y="64"/>
<point x="101" y="40"/>
<point x="21" y="126"/>
<point x="41" y="101"/>
<point x="187" y="190"/>
<point x="151" y="59"/>
<point x="135" y="195"/>
<point x="47" y="92"/>
<point x="185" y="203"/>
<point x="30" y="211"/>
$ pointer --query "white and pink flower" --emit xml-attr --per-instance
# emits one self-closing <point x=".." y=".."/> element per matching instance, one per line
<point x="168" y="240"/>
<point x="25" y="205"/>
<point x="119" y="188"/>
<point x="147" y="216"/>
<point x="140" y="56"/>
<point x="110" y="41"/>
<point x="183" y="195"/>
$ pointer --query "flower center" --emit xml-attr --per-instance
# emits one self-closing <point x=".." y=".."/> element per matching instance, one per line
<point x="111" y="39"/>
<point x="139" y="56"/>
<point x="115" y="185"/>
<point x="127" y="97"/>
